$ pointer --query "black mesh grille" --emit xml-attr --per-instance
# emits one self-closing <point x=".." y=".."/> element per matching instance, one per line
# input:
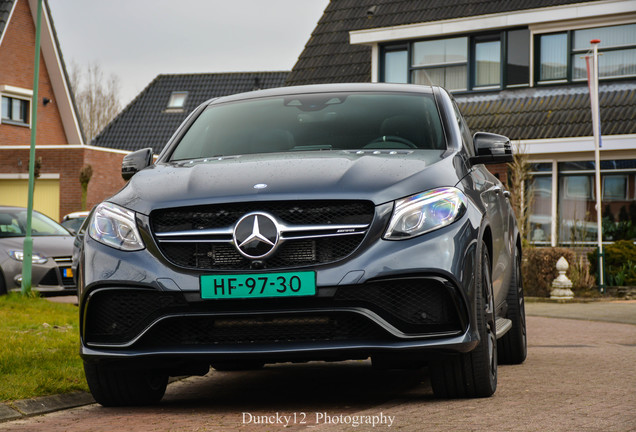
<point x="417" y="304"/>
<point x="297" y="213"/>
<point x="291" y="253"/>
<point x="50" y="278"/>
<point x="116" y="316"/>
<point x="278" y="329"/>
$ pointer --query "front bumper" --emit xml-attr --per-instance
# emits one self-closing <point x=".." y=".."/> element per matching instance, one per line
<point x="410" y="297"/>
<point x="54" y="276"/>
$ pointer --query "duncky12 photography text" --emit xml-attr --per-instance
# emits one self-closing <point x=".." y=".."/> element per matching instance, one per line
<point x="319" y="418"/>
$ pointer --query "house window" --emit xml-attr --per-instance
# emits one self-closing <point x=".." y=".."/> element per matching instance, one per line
<point x="540" y="204"/>
<point x="479" y="62"/>
<point x="487" y="63"/>
<point x="553" y="57"/>
<point x="615" y="187"/>
<point x="441" y="62"/>
<point x="562" y="55"/>
<point x="617" y="48"/>
<point x="540" y="219"/>
<point x="575" y="214"/>
<point x="15" y="110"/>
<point x="177" y="100"/>
<point x="518" y="57"/>
<point x="579" y="187"/>
<point x="395" y="67"/>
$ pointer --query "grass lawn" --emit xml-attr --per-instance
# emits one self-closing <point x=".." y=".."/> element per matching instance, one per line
<point x="39" y="348"/>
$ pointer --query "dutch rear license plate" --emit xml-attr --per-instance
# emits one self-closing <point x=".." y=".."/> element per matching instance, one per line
<point x="258" y="285"/>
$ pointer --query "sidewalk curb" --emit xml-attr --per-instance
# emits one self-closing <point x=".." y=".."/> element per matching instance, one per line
<point x="42" y="405"/>
<point x="24" y="408"/>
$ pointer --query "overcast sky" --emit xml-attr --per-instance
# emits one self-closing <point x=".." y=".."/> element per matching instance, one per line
<point x="140" y="39"/>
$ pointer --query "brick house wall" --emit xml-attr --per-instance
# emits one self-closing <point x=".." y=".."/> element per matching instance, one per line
<point x="500" y="171"/>
<point x="67" y="163"/>
<point x="59" y="157"/>
<point x="107" y="179"/>
<point x="16" y="69"/>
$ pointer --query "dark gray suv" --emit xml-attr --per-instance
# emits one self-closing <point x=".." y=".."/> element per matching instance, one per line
<point x="326" y="222"/>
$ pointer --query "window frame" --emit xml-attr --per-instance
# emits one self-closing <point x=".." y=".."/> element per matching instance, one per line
<point x="8" y="120"/>
<point x="471" y="40"/>
<point x="503" y="59"/>
<point x="568" y="59"/>
<point x="394" y="48"/>
<point x="560" y="171"/>
<point x="171" y="107"/>
<point x="445" y="65"/>
<point x="625" y="177"/>
<point x="571" y="53"/>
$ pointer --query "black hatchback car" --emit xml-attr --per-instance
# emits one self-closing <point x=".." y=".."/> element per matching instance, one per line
<point x="326" y="222"/>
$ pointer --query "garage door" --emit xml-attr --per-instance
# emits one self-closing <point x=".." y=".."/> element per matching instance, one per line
<point x="46" y="198"/>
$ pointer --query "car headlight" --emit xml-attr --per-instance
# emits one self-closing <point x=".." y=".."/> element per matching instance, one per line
<point x="425" y="212"/>
<point x="36" y="258"/>
<point x="116" y="227"/>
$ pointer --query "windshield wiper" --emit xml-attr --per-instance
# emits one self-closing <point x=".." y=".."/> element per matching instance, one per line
<point x="318" y="147"/>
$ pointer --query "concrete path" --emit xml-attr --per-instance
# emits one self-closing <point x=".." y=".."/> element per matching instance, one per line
<point x="619" y="311"/>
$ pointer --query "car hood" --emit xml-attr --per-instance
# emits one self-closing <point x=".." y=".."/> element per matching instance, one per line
<point x="49" y="246"/>
<point x="376" y="176"/>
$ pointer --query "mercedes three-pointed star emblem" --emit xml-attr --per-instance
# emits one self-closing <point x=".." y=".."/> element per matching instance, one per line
<point x="256" y="235"/>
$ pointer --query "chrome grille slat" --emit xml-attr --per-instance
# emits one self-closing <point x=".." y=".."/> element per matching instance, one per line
<point x="202" y="238"/>
<point x="63" y="260"/>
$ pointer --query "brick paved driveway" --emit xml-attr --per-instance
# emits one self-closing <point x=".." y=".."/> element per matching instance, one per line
<point x="579" y="376"/>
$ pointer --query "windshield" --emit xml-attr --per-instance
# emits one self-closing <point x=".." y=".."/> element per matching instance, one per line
<point x="13" y="224"/>
<point x="325" y="121"/>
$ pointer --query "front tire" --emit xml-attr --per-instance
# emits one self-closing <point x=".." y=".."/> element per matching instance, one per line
<point x="111" y="386"/>
<point x="472" y="374"/>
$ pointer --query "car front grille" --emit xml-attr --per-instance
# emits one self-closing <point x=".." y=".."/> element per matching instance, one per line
<point x="64" y="263"/>
<point x="413" y="305"/>
<point x="261" y="329"/>
<point x="224" y="256"/>
<point x="58" y="276"/>
<point x="313" y="232"/>
<point x="50" y="278"/>
<point x="417" y="306"/>
<point x="296" y="213"/>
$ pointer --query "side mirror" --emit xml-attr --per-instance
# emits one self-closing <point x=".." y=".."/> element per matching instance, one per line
<point x="491" y="149"/>
<point x="136" y="161"/>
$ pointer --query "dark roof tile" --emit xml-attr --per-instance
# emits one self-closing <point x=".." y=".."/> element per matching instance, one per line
<point x="5" y="10"/>
<point x="331" y="35"/>
<point x="556" y="112"/>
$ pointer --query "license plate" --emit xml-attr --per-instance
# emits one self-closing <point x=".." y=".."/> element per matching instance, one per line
<point x="67" y="272"/>
<point x="258" y="285"/>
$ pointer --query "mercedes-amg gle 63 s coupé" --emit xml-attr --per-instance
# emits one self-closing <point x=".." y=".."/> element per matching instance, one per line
<point x="326" y="222"/>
